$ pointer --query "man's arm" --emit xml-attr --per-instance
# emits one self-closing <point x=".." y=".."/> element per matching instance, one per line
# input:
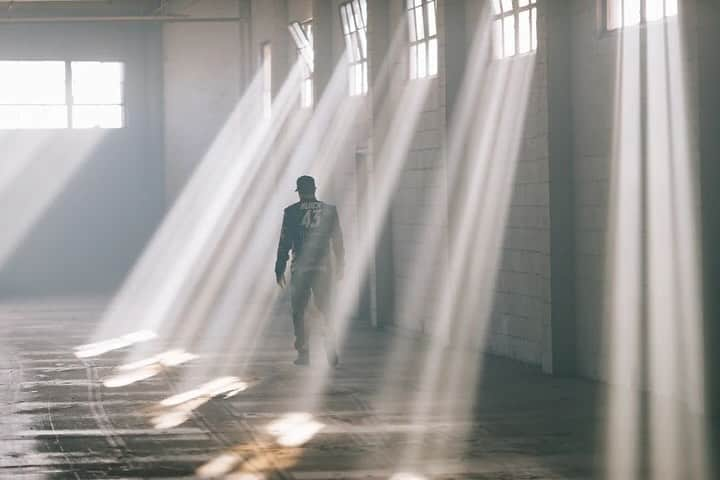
<point x="338" y="246"/>
<point x="283" y="250"/>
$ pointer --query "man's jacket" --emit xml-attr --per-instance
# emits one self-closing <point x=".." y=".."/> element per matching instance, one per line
<point x="308" y="229"/>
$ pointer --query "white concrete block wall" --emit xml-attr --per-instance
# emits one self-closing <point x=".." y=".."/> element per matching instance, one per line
<point x="422" y="187"/>
<point x="202" y="81"/>
<point x="522" y="299"/>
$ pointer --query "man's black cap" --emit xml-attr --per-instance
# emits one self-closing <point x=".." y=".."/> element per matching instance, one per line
<point x="305" y="184"/>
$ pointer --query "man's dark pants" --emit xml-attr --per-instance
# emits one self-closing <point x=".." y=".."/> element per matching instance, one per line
<point x="302" y="284"/>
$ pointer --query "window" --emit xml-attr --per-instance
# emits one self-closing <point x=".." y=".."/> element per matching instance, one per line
<point x="515" y="27"/>
<point x="303" y="37"/>
<point x="627" y="13"/>
<point x="353" y="18"/>
<point x="266" y="66"/>
<point x="422" y="27"/>
<point x="60" y="94"/>
<point x="97" y="95"/>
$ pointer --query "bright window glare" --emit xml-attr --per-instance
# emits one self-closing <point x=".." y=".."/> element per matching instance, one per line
<point x="353" y="14"/>
<point x="97" y="116"/>
<point x="631" y="12"/>
<point x="97" y="83"/>
<point x="423" y="48"/>
<point x="524" y="33"/>
<point x="628" y="13"/>
<point x="34" y="95"/>
<point x="515" y="28"/>
<point x="32" y="83"/>
<point x="28" y="117"/>
<point x="97" y="91"/>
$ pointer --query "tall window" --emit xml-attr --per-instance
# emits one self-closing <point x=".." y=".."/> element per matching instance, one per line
<point x="303" y="38"/>
<point x="515" y="27"/>
<point x="422" y="27"/>
<point x="266" y="66"/>
<point x="353" y="17"/>
<point x="61" y="94"/>
<point x="626" y="13"/>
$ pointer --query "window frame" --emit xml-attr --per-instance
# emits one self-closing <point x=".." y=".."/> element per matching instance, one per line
<point x="604" y="6"/>
<point x="356" y="40"/>
<point x="306" y="53"/>
<point x="414" y="45"/>
<point x="69" y="103"/>
<point x="515" y="11"/>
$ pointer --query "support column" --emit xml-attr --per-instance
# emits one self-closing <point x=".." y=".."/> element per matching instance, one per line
<point x="379" y="38"/>
<point x="562" y="356"/>
<point x="709" y="117"/>
<point x="322" y="12"/>
<point x="456" y="59"/>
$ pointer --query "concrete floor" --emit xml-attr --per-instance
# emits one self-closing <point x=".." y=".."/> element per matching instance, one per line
<point x="59" y="421"/>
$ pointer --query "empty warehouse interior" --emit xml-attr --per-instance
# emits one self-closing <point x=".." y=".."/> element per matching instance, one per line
<point x="360" y="239"/>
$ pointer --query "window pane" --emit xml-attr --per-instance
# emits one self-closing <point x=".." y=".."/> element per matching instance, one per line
<point x="496" y="7"/>
<point x="362" y="35"/>
<point x="358" y="14"/>
<point x="348" y="45"/>
<point x="343" y="17"/>
<point x="524" y="32"/>
<point x="509" y="36"/>
<point x="671" y="8"/>
<point x="523" y="3"/>
<point x="413" y="61"/>
<point x="363" y="7"/>
<point x="507" y="5"/>
<point x="97" y="116"/>
<point x="32" y="83"/>
<point x="498" y="38"/>
<point x="15" y="117"/>
<point x="98" y="83"/>
<point x="355" y="49"/>
<point x="297" y="34"/>
<point x="631" y="12"/>
<point x="533" y="25"/>
<point x="432" y="19"/>
<point x="614" y="14"/>
<point x="654" y="10"/>
<point x="422" y="60"/>
<point x="411" y="25"/>
<point x="432" y="57"/>
<point x="420" y="23"/>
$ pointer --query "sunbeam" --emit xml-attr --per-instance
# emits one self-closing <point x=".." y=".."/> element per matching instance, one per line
<point x="656" y="425"/>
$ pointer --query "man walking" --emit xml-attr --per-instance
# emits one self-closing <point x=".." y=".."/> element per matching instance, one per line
<point x="309" y="228"/>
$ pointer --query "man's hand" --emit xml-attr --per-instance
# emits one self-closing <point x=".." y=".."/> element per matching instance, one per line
<point x="280" y="279"/>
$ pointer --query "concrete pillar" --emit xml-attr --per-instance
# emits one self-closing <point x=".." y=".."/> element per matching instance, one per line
<point x="456" y="43"/>
<point x="456" y="58"/>
<point x="562" y="358"/>
<point x="322" y="11"/>
<point x="709" y="117"/>
<point x="379" y="38"/>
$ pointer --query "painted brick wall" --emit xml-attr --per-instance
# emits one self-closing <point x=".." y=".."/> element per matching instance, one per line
<point x="521" y="302"/>
<point x="521" y="308"/>
<point x="420" y="191"/>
